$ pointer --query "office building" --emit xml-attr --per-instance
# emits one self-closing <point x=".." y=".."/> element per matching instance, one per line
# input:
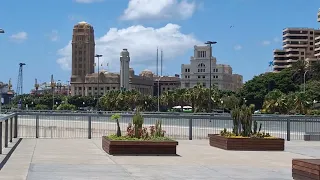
<point x="198" y="72"/>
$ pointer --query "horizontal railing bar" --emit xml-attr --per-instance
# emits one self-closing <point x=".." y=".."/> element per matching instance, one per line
<point x="3" y="118"/>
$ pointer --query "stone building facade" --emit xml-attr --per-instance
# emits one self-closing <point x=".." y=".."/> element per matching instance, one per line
<point x="84" y="81"/>
<point x="198" y="72"/>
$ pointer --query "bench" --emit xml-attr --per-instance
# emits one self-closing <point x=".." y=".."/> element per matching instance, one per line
<point x="306" y="169"/>
<point x="312" y="136"/>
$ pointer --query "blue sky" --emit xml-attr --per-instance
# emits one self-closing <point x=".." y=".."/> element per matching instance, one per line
<point x="38" y="33"/>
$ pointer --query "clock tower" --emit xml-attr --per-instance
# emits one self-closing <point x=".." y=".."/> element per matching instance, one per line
<point x="83" y="51"/>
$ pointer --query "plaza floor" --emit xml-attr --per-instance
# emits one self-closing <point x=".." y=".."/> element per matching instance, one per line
<point x="83" y="159"/>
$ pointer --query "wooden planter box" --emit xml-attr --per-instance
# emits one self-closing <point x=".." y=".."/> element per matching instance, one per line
<point x="246" y="144"/>
<point x="113" y="147"/>
<point x="306" y="169"/>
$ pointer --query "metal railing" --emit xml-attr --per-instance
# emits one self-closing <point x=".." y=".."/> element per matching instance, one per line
<point x="176" y="125"/>
<point x="8" y="129"/>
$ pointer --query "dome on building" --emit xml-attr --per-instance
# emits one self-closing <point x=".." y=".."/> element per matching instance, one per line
<point x="83" y="24"/>
<point x="147" y="73"/>
<point x="124" y="53"/>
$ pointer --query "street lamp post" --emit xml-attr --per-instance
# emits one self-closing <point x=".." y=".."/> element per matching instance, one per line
<point x="159" y="93"/>
<point x="98" y="56"/>
<point x="1" y="32"/>
<point x="304" y="81"/>
<point x="210" y="43"/>
<point x="68" y="90"/>
<point x="1" y="97"/>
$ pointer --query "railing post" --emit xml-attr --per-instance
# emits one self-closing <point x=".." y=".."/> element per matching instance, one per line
<point x="11" y="128"/>
<point x="37" y="126"/>
<point x="1" y="137"/>
<point x="15" y="126"/>
<point x="6" y="128"/>
<point x="190" y="129"/>
<point x="89" y="127"/>
<point x="288" y="129"/>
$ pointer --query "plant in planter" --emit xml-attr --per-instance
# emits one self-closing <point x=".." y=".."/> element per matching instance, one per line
<point x="246" y="134"/>
<point x="116" y="117"/>
<point x="243" y="125"/>
<point x="139" y="139"/>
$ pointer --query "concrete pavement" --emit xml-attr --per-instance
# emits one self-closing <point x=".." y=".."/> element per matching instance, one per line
<point x="83" y="159"/>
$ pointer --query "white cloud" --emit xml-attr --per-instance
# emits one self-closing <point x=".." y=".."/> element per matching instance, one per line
<point x="276" y="39"/>
<point x="159" y="9"/>
<point x="75" y="17"/>
<point x="237" y="47"/>
<point x="19" y="37"/>
<point x="54" y="35"/>
<point x="266" y="43"/>
<point x="87" y="1"/>
<point x="141" y="42"/>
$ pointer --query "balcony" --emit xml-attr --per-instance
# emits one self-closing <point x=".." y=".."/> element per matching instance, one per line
<point x="295" y="45"/>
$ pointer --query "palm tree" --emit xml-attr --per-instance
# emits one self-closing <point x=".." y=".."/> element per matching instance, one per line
<point x="275" y="101"/>
<point x="315" y="70"/>
<point x="301" y="102"/>
<point x="299" y="68"/>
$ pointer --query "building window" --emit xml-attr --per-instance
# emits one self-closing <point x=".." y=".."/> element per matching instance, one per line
<point x="201" y="65"/>
<point x="199" y="77"/>
<point x="311" y="43"/>
<point x="311" y="49"/>
<point x="302" y="53"/>
<point x="204" y="84"/>
<point x="95" y="88"/>
<point x="203" y="77"/>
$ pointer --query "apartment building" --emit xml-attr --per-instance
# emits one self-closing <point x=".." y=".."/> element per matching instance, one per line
<point x="298" y="44"/>
<point x="198" y="72"/>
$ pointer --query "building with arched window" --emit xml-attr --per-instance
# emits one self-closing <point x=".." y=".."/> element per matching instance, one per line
<point x="198" y="72"/>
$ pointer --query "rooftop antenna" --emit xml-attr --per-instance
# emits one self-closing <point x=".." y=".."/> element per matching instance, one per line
<point x="157" y="62"/>
<point x="161" y="60"/>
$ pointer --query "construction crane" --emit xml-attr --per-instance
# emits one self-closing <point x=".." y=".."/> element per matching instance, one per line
<point x="20" y="79"/>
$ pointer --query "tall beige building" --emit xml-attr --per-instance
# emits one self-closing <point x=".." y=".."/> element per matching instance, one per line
<point x="83" y="51"/>
<point x="198" y="72"/>
<point x="298" y="44"/>
<point x="317" y="42"/>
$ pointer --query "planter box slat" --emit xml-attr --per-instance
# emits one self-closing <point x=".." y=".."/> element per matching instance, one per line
<point x="246" y="144"/>
<point x="306" y="169"/>
<point x="113" y="147"/>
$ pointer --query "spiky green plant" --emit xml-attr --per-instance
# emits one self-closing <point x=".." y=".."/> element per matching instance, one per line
<point x="236" y="120"/>
<point x="116" y="117"/>
<point x="137" y="122"/>
<point x="158" y="128"/>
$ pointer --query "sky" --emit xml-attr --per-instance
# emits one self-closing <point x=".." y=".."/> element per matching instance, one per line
<point x="38" y="33"/>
